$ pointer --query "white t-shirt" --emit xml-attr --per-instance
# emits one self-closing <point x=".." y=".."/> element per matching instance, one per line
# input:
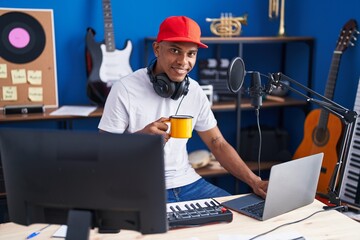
<point x="132" y="104"/>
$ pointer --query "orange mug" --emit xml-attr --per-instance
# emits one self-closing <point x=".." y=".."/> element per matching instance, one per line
<point x="180" y="126"/>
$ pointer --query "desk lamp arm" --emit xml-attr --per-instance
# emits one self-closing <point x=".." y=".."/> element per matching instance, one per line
<point x="279" y="79"/>
<point x="346" y="115"/>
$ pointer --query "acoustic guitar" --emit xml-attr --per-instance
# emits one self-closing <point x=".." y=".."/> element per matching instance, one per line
<point x="322" y="130"/>
<point x="105" y="64"/>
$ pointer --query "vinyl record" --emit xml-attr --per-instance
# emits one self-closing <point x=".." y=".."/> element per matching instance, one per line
<point x="22" y="38"/>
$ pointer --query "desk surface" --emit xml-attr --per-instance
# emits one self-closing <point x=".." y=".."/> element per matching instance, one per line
<point x="324" y="225"/>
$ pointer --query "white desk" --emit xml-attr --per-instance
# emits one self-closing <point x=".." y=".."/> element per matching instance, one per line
<point x="326" y="225"/>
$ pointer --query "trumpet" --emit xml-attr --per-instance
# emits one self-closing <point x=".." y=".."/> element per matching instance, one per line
<point x="227" y="25"/>
<point x="273" y="8"/>
<point x="274" y="13"/>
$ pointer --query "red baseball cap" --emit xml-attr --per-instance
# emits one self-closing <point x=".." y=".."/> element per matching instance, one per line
<point x="180" y="29"/>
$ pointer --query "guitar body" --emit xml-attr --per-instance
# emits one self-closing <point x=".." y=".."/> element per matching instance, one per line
<point x="116" y="64"/>
<point x="104" y="68"/>
<point x="318" y="140"/>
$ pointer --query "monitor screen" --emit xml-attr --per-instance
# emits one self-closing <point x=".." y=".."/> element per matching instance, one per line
<point x="117" y="180"/>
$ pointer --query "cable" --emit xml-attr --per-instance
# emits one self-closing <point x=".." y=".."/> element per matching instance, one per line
<point x="340" y="208"/>
<point x="260" y="140"/>
<point x="179" y="104"/>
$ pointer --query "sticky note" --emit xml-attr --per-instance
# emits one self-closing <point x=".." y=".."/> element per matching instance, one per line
<point x="35" y="94"/>
<point x="34" y="77"/>
<point x="3" y="71"/>
<point x="18" y="76"/>
<point x="9" y="93"/>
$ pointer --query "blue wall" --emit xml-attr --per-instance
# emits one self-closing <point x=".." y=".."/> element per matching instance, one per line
<point x="135" y="20"/>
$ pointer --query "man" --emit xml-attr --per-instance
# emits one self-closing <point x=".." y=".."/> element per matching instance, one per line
<point x="142" y="101"/>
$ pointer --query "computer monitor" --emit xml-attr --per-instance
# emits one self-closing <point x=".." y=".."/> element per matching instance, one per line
<point x="85" y="180"/>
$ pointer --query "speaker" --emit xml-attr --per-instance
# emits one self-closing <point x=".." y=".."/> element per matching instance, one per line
<point x="166" y="88"/>
<point x="23" y="109"/>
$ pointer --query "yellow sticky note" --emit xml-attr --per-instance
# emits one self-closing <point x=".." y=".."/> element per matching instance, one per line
<point x="3" y="71"/>
<point x="18" y="76"/>
<point x="35" y="94"/>
<point x="34" y="77"/>
<point x="9" y="93"/>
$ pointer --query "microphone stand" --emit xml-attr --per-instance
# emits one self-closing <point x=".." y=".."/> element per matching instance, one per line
<point x="347" y="116"/>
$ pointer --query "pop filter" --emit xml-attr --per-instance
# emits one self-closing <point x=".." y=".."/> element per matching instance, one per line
<point x="236" y="74"/>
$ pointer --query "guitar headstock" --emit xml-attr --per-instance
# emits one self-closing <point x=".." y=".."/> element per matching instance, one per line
<point x="347" y="35"/>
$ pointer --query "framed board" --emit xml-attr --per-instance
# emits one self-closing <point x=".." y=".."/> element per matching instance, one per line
<point x="27" y="58"/>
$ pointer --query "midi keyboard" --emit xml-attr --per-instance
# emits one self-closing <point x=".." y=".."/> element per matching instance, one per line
<point x="197" y="212"/>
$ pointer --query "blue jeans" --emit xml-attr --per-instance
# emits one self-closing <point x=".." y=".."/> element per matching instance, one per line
<point x="197" y="190"/>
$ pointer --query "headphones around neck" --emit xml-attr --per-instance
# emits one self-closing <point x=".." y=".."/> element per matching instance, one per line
<point x="166" y="88"/>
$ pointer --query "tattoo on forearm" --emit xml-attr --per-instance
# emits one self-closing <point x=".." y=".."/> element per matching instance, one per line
<point x="215" y="140"/>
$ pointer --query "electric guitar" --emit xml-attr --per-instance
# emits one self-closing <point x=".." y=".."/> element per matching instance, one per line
<point x="105" y="63"/>
<point x="322" y="130"/>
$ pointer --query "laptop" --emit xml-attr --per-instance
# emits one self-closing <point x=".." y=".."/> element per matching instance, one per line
<point x="292" y="185"/>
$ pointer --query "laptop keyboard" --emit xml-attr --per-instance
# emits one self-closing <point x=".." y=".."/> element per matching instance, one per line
<point x="256" y="209"/>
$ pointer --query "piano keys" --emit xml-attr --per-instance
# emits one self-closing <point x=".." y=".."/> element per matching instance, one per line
<point x="197" y="212"/>
<point x="350" y="184"/>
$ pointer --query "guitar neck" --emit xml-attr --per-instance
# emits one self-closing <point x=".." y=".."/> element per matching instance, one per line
<point x="108" y="26"/>
<point x="330" y="86"/>
<point x="333" y="73"/>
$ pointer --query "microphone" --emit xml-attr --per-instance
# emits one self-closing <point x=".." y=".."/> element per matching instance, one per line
<point x="256" y="91"/>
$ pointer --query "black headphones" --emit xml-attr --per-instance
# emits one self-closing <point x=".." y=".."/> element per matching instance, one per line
<point x="166" y="88"/>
